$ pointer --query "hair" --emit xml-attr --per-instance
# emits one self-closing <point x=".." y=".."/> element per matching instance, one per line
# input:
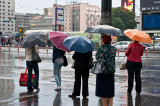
<point x="106" y="38"/>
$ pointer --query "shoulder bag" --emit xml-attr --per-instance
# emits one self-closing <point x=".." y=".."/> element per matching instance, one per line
<point x="35" y="56"/>
<point x="65" y="61"/>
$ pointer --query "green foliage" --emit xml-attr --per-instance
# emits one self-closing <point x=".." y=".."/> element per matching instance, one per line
<point x="123" y="19"/>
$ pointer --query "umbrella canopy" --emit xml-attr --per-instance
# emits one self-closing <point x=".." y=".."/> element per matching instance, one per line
<point x="138" y="35"/>
<point x="33" y="39"/>
<point x="79" y="44"/>
<point x="57" y="39"/>
<point x="105" y="29"/>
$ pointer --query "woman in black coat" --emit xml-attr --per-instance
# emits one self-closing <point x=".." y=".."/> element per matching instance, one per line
<point x="81" y="70"/>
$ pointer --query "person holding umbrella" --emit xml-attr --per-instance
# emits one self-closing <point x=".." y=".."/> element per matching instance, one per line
<point x="134" y="60"/>
<point x="32" y="65"/>
<point x="83" y="48"/>
<point x="81" y="70"/>
<point x="105" y="82"/>
<point x="57" y="59"/>
<point x="30" y="43"/>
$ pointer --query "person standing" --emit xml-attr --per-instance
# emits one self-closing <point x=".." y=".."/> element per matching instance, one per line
<point x="57" y="59"/>
<point x="32" y="65"/>
<point x="134" y="65"/>
<point x="81" y="70"/>
<point x="2" y="41"/>
<point x="105" y="87"/>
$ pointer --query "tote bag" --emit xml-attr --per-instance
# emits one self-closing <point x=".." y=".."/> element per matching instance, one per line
<point x="23" y="78"/>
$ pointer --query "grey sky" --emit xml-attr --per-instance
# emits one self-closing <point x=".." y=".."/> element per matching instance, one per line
<point x="36" y="6"/>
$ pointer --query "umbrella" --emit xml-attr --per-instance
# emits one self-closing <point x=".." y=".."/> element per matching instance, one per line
<point x="105" y="29"/>
<point x="138" y="35"/>
<point x="33" y="39"/>
<point x="57" y="39"/>
<point x="79" y="44"/>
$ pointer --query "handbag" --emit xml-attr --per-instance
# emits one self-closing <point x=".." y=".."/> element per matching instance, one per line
<point x="23" y="78"/>
<point x="65" y="61"/>
<point x="122" y="65"/>
<point x="35" y="56"/>
<point x="98" y="67"/>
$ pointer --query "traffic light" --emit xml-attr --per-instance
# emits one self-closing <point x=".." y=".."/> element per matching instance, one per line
<point x="21" y="30"/>
<point x="9" y="18"/>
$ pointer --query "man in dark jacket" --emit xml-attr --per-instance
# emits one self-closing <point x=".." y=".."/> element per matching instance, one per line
<point x="81" y="70"/>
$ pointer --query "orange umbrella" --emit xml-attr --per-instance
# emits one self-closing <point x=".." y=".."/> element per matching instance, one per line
<point x="138" y="35"/>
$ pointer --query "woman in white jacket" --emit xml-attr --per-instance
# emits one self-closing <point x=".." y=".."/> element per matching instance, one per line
<point x="32" y="65"/>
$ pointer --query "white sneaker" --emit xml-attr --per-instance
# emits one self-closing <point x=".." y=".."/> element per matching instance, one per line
<point x="57" y="88"/>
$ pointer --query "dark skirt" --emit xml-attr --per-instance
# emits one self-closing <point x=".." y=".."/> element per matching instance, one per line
<point x="105" y="85"/>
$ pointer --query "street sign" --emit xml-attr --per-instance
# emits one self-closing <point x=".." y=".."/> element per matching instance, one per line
<point x="5" y="21"/>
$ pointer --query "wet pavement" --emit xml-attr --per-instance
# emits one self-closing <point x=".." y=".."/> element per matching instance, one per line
<point x="11" y="94"/>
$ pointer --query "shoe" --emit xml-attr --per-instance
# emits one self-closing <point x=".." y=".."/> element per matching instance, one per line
<point x="84" y="97"/>
<point x="137" y="93"/>
<point x="57" y="88"/>
<point x="37" y="89"/>
<point x="30" y="90"/>
<point x="71" y="96"/>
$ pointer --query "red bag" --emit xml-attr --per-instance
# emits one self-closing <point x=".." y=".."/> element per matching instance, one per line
<point x="23" y="79"/>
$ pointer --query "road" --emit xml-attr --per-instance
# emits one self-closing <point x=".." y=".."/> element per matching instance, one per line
<point x="13" y="63"/>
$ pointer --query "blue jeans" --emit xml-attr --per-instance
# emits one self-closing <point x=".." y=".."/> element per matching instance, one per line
<point x="32" y="65"/>
<point x="57" y="72"/>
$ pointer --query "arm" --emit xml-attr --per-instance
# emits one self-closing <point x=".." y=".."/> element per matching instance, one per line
<point x="54" y="54"/>
<point x="128" y="50"/>
<point x="75" y="55"/>
<point x="99" y="53"/>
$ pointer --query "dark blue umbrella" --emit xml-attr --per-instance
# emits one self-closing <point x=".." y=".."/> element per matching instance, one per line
<point x="79" y="44"/>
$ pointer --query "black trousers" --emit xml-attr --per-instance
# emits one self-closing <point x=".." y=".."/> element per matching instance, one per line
<point x="77" y="84"/>
<point x="134" y="69"/>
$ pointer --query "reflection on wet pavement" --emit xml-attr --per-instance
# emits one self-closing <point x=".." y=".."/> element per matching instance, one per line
<point x="12" y="64"/>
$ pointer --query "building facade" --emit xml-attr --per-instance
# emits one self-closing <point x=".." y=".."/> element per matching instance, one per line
<point x="80" y="16"/>
<point x="7" y="17"/>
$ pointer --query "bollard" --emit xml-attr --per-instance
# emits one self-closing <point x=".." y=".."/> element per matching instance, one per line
<point x="9" y="48"/>
<point x="18" y="48"/>
<point x="118" y="52"/>
<point x="47" y="48"/>
<point x="146" y="52"/>
<point x="0" y="47"/>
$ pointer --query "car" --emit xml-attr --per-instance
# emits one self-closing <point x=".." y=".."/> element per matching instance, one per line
<point x="155" y="47"/>
<point x="122" y="45"/>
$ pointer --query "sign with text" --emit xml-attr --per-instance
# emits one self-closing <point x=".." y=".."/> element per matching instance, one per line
<point x="150" y="5"/>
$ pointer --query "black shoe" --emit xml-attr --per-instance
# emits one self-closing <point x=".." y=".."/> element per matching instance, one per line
<point x="30" y="90"/>
<point x="71" y="96"/>
<point x="84" y="97"/>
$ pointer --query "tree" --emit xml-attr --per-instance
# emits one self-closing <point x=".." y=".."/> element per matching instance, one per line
<point x="123" y="18"/>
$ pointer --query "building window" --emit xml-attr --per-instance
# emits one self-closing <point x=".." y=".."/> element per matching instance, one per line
<point x="8" y="2"/>
<point x="8" y="6"/>
<point x="3" y="28"/>
<point x="8" y="28"/>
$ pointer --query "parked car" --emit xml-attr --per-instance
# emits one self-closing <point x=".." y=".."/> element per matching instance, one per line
<point x="155" y="47"/>
<point x="145" y="45"/>
<point x="122" y="45"/>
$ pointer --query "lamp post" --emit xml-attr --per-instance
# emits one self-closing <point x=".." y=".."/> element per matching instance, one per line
<point x="73" y="2"/>
<point x="106" y="6"/>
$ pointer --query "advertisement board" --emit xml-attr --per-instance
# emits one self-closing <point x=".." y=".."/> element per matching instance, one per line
<point x="149" y="5"/>
<point x="151" y="21"/>
<point x="128" y="4"/>
<point x="48" y="12"/>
